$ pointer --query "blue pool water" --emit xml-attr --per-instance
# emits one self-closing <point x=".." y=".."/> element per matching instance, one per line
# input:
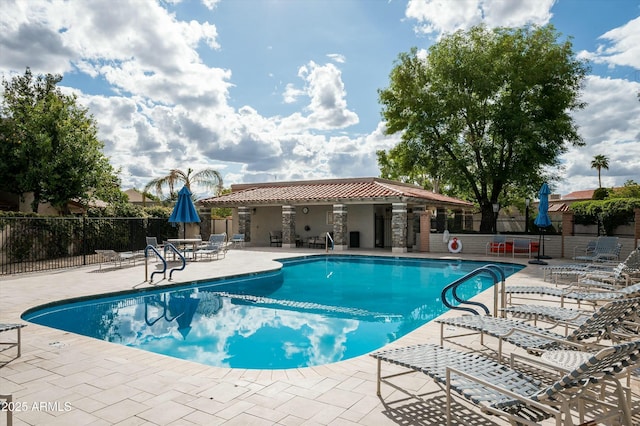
<point x="315" y="310"/>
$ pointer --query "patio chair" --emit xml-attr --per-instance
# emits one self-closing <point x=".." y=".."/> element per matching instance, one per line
<point x="275" y="238"/>
<point x="237" y="240"/>
<point x="607" y="249"/>
<point x="521" y="246"/>
<point x="497" y="245"/>
<point x="153" y="241"/>
<point x="504" y="391"/>
<point x="587" y="335"/>
<point x="17" y="343"/>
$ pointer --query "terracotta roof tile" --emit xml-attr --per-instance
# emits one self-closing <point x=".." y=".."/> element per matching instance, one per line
<point x="331" y="191"/>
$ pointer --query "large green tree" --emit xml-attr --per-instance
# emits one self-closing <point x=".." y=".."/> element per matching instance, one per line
<point x="486" y="112"/>
<point x="209" y="178"/>
<point x="49" y="145"/>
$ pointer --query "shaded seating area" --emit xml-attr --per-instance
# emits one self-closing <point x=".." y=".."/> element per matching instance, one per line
<point x="520" y="398"/>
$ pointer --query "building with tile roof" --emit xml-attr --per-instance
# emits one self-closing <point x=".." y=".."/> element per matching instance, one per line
<point x="357" y="212"/>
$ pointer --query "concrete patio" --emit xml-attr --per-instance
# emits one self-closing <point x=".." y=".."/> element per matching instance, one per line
<point x="64" y="378"/>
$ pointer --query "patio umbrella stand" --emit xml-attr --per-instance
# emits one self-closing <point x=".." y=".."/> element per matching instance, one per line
<point x="542" y="222"/>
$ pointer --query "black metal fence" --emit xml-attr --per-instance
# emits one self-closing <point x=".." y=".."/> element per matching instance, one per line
<point x="29" y="244"/>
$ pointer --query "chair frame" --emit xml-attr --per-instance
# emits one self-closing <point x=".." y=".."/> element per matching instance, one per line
<point x="6" y="327"/>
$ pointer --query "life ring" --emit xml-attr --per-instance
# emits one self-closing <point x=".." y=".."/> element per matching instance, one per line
<point x="455" y="245"/>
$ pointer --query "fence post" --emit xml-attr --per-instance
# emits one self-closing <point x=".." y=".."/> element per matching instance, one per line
<point x="637" y="227"/>
<point x="84" y="240"/>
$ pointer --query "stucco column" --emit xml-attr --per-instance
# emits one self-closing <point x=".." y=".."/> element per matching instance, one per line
<point x="417" y="213"/>
<point x="425" y="230"/>
<point x="244" y="223"/>
<point x="567" y="228"/>
<point x="288" y="226"/>
<point x="399" y="227"/>
<point x="340" y="227"/>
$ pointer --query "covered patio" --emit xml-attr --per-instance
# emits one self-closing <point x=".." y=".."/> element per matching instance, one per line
<point x="364" y="213"/>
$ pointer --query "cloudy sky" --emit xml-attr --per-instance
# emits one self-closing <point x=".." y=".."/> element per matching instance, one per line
<point x="266" y="90"/>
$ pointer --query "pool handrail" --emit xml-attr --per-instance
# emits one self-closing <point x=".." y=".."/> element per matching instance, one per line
<point x="146" y="263"/>
<point x="491" y="269"/>
<point x="173" y="248"/>
<point x="328" y="238"/>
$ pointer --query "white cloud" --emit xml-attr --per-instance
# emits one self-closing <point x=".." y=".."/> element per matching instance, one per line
<point x="623" y="48"/>
<point x="445" y="16"/>
<point x="610" y="126"/>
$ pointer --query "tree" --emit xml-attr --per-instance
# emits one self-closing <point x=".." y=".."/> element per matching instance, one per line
<point x="488" y="111"/>
<point x="209" y="178"/>
<point x="49" y="145"/>
<point x="600" y="162"/>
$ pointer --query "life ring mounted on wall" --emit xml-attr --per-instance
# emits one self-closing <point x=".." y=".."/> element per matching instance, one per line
<point x="455" y="245"/>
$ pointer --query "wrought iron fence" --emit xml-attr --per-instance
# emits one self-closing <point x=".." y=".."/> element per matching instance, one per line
<point x="29" y="244"/>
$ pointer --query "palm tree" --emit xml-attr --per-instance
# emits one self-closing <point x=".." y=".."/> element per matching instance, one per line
<point x="209" y="178"/>
<point x="600" y="162"/>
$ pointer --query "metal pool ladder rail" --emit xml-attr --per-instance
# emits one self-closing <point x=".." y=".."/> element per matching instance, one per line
<point x="498" y="276"/>
<point x="163" y="259"/>
<point x="328" y="238"/>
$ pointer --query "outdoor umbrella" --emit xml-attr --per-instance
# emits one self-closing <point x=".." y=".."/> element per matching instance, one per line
<point x="184" y="210"/>
<point x="542" y="220"/>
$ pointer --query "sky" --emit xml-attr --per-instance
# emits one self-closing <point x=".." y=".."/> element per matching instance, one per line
<point x="276" y="90"/>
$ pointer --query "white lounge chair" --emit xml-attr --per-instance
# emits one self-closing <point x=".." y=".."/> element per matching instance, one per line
<point x="503" y="391"/>
<point x="600" y="325"/>
<point x="118" y="257"/>
<point x="607" y="249"/>
<point x="217" y="245"/>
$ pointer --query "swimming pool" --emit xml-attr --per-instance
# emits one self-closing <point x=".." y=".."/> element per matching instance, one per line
<point x="315" y="310"/>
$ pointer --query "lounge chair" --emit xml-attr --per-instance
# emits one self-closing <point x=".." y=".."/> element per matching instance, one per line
<point x="497" y="245"/>
<point x="275" y="238"/>
<point x="587" y="335"/>
<point x="217" y="245"/>
<point x="575" y="295"/>
<point x="118" y="257"/>
<point x="503" y="391"/>
<point x="607" y="249"/>
<point x="17" y="343"/>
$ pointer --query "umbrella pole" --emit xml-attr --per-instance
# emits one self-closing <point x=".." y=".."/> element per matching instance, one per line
<point x="544" y="256"/>
<point x="540" y="242"/>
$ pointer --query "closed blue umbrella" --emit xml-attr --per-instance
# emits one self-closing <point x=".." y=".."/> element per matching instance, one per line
<point x="184" y="210"/>
<point x="542" y="221"/>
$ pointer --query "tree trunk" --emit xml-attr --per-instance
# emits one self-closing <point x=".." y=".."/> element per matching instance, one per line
<point x="488" y="219"/>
